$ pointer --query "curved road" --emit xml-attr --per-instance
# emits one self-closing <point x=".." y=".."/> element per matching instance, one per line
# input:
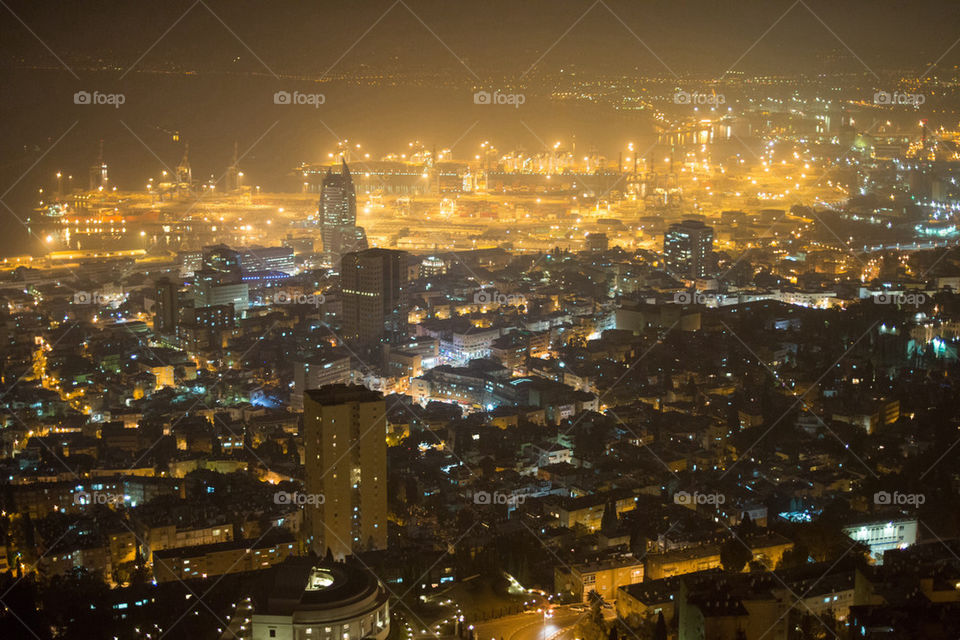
<point x="530" y="626"/>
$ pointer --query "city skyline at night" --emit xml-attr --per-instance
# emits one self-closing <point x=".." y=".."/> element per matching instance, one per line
<point x="420" y="320"/>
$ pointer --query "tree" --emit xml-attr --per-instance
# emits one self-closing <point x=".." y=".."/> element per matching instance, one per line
<point x="734" y="555"/>
<point x="293" y="454"/>
<point x="747" y="526"/>
<point x="590" y="626"/>
<point x="793" y="558"/>
<point x="660" y="632"/>
<point x="77" y="605"/>
<point x="488" y="467"/>
<point x="609" y="523"/>
<point x="825" y="540"/>
<point x="123" y="573"/>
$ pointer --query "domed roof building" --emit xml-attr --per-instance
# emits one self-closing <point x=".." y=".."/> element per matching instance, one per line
<point x="324" y="600"/>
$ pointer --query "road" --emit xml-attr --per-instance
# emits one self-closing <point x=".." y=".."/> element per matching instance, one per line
<point x="240" y="627"/>
<point x="530" y="626"/>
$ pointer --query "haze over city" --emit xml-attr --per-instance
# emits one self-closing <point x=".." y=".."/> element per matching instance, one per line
<point x="421" y="320"/>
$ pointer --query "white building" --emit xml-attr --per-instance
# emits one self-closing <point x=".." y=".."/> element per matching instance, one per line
<point x="328" y="601"/>
<point x="884" y="535"/>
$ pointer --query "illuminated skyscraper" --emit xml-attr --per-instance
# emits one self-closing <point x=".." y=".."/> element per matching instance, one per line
<point x="338" y="215"/>
<point x="346" y="463"/>
<point x="338" y="199"/>
<point x="373" y="286"/>
<point x="687" y="248"/>
<point x="167" y="307"/>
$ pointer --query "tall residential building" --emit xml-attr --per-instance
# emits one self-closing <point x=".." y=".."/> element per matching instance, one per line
<point x="338" y="214"/>
<point x="206" y="327"/>
<point x="167" y="307"/>
<point x="346" y="463"/>
<point x="687" y="249"/>
<point x="373" y="287"/>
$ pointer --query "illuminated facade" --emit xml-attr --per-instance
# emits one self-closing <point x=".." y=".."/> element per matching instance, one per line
<point x="373" y="287"/>
<point x="884" y="535"/>
<point x="338" y="214"/>
<point x="346" y="464"/>
<point x="329" y="601"/>
<point x="687" y="247"/>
